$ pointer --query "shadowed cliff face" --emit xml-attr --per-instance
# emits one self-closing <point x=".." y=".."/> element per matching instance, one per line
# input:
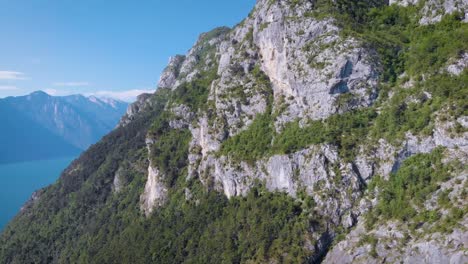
<point x="339" y="127"/>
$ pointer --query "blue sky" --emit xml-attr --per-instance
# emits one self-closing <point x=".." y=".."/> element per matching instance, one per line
<point x="109" y="48"/>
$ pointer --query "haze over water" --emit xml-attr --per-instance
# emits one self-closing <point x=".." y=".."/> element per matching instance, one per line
<point x="20" y="180"/>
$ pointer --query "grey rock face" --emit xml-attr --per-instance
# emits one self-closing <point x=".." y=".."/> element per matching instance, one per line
<point x="459" y="65"/>
<point x="395" y="246"/>
<point x="282" y="48"/>
<point x="118" y="180"/>
<point x="299" y="69"/>
<point x="395" y="243"/>
<point x="155" y="193"/>
<point x="308" y="74"/>
<point x="316" y="170"/>
<point x="403" y="2"/>
<point x="308" y="64"/>
<point x="171" y="72"/>
<point x="198" y="58"/>
<point x="182" y="117"/>
<point x="139" y="105"/>
<point x="433" y="10"/>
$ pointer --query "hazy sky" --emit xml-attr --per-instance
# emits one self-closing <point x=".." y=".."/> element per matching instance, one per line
<point x="112" y="48"/>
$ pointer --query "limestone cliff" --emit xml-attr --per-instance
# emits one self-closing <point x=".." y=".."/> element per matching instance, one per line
<point x="311" y="67"/>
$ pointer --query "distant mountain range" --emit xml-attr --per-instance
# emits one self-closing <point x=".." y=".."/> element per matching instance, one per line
<point x="41" y="126"/>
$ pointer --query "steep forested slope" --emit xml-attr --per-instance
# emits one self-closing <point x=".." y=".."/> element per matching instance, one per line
<point x="313" y="131"/>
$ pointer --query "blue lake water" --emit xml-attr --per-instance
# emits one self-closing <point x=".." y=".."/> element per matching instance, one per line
<point x="19" y="180"/>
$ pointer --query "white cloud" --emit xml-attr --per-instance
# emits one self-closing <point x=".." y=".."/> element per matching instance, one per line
<point x="71" y="84"/>
<point x="127" y="96"/>
<point x="11" y="75"/>
<point x="53" y="92"/>
<point x="8" y="88"/>
<point x="59" y="92"/>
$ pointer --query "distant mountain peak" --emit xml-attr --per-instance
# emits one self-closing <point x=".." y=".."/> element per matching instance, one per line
<point x="39" y="93"/>
<point x="114" y="103"/>
<point x="76" y="121"/>
<point x="95" y="100"/>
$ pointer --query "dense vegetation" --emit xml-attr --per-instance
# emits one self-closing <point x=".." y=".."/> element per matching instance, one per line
<point x="89" y="223"/>
<point x="252" y="143"/>
<point x="260" y="226"/>
<point x="346" y="131"/>
<point x="211" y="230"/>
<point x="68" y="211"/>
<point x="418" y="177"/>
<point x="169" y="150"/>
<point x="402" y="197"/>
<point x="194" y="94"/>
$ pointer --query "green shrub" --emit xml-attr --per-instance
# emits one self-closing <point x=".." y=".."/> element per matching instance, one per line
<point x="194" y="94"/>
<point x="408" y="188"/>
<point x="170" y="153"/>
<point x="293" y="138"/>
<point x="346" y="131"/>
<point x="431" y="46"/>
<point x="451" y="220"/>
<point x="252" y="143"/>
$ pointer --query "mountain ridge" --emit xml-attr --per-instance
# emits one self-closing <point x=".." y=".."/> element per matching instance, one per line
<point x="70" y="123"/>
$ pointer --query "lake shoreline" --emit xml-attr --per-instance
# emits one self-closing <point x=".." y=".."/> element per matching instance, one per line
<point x="21" y="179"/>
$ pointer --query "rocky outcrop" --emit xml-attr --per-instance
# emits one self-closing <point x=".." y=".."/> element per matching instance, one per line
<point x="171" y="72"/>
<point x="309" y="65"/>
<point x="32" y="200"/>
<point x="142" y="102"/>
<point x="310" y="69"/>
<point x="403" y="2"/>
<point x="155" y="192"/>
<point x="394" y="242"/>
<point x="396" y="246"/>
<point x="117" y="184"/>
<point x="459" y="64"/>
<point x="301" y="69"/>
<point x="433" y="10"/>
<point x="200" y="58"/>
